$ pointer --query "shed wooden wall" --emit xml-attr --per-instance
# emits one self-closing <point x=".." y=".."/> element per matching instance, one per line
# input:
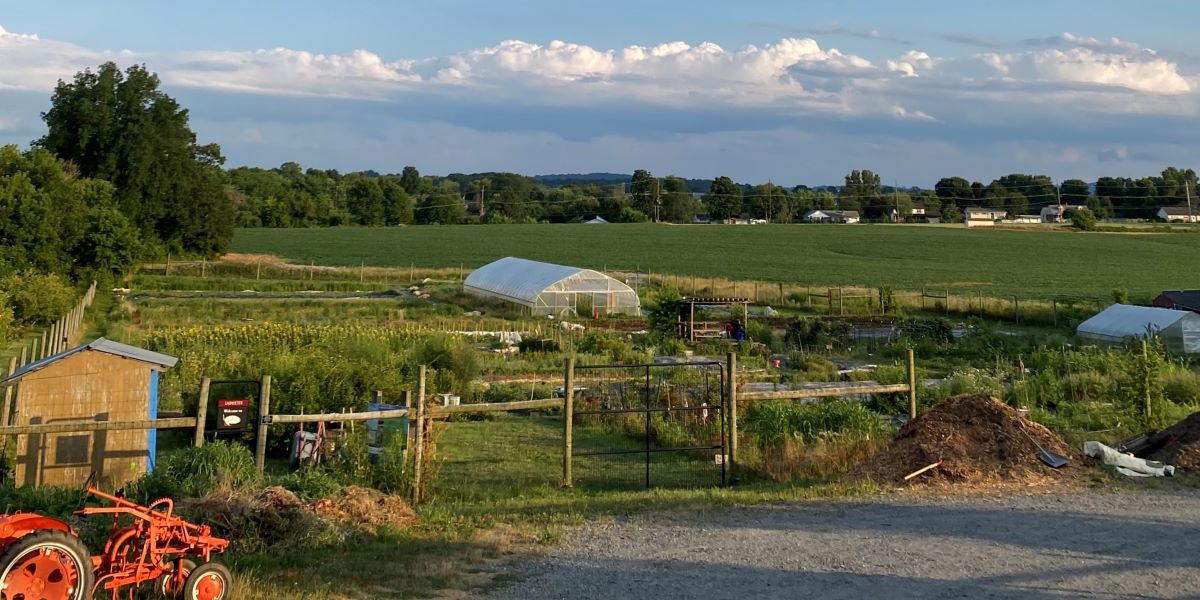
<point x="86" y="386"/>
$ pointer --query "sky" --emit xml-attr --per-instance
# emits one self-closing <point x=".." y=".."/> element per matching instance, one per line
<point x="789" y="92"/>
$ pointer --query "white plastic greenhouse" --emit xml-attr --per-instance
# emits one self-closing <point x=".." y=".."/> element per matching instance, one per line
<point x="549" y="289"/>
<point x="1119" y="323"/>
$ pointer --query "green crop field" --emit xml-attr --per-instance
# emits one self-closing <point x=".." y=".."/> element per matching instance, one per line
<point x="1029" y="264"/>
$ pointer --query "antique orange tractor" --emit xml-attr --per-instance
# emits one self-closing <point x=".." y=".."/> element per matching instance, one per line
<point x="42" y="558"/>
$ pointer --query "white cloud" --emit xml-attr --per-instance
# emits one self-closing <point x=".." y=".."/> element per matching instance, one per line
<point x="360" y="74"/>
<point x="911" y="63"/>
<point x="911" y="115"/>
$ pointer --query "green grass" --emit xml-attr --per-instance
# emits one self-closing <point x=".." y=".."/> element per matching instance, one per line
<point x="1030" y="264"/>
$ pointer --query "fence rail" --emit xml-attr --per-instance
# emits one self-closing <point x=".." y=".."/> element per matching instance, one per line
<point x="82" y="426"/>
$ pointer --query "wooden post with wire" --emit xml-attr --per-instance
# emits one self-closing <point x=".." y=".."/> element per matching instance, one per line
<point x="419" y="448"/>
<point x="568" y="419"/>
<point x="201" y="413"/>
<point x="912" y="385"/>
<point x="731" y="367"/>
<point x="264" y="423"/>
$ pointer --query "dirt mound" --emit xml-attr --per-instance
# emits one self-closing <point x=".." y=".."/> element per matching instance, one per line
<point x="1177" y="445"/>
<point x="980" y="441"/>
<point x="366" y="509"/>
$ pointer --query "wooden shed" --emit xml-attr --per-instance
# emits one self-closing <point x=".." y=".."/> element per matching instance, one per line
<point x="100" y="381"/>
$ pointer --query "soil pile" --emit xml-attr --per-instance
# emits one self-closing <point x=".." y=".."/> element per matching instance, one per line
<point x="366" y="509"/>
<point x="1177" y="445"/>
<point x="980" y="441"/>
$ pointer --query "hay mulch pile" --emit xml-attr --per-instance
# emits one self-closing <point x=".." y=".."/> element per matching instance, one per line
<point x="275" y="517"/>
<point x="979" y="440"/>
<point x="1177" y="445"/>
<point x="366" y="509"/>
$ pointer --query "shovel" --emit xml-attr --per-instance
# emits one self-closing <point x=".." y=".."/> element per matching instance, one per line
<point x="1051" y="459"/>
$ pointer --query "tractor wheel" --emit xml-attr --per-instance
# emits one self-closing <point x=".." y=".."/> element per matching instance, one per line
<point x="209" y="581"/>
<point x="170" y="584"/>
<point x="46" y="565"/>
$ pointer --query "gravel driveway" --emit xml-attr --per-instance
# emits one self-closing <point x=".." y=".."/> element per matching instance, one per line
<point x="1086" y="545"/>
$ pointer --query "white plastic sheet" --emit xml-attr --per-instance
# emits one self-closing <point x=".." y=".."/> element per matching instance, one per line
<point x="1127" y="464"/>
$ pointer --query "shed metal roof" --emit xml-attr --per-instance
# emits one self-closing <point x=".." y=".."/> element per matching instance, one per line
<point x="100" y="345"/>
<point x="1187" y="299"/>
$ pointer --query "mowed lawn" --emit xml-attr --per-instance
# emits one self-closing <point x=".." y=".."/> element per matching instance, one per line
<point x="1029" y="264"/>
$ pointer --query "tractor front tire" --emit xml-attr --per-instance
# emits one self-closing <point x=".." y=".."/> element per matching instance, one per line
<point x="209" y="581"/>
<point x="170" y="584"/>
<point x="46" y="564"/>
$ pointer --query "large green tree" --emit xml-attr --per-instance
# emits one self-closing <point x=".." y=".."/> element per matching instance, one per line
<point x="120" y="127"/>
<point x="724" y="199"/>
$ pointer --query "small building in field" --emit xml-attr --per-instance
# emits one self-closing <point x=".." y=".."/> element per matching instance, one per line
<point x="1179" y="300"/>
<point x="1057" y="213"/>
<point x="1121" y="323"/>
<point x="100" y="381"/>
<point x="1178" y="214"/>
<point x="550" y="289"/>
<point x="832" y="216"/>
<point x="1026" y="219"/>
<point x="596" y="220"/>
<point x="701" y="219"/>
<point x="975" y="216"/>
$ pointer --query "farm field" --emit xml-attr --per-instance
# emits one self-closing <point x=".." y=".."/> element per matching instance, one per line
<point x="1000" y="263"/>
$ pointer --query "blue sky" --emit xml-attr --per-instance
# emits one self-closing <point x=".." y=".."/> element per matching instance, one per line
<point x="794" y="92"/>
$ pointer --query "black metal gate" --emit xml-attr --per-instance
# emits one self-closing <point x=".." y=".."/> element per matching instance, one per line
<point x="673" y="415"/>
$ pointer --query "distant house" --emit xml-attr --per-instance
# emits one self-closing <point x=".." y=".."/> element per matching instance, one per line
<point x="1026" y="219"/>
<point x="1178" y="214"/>
<point x="596" y="220"/>
<point x="919" y="214"/>
<point x="1179" y="300"/>
<point x="832" y="216"/>
<point x="1057" y="213"/>
<point x="975" y="216"/>
<point x="701" y="219"/>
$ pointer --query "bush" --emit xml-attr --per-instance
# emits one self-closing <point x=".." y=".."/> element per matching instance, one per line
<point x="594" y="342"/>
<point x="195" y="472"/>
<point x="37" y="299"/>
<point x="936" y="331"/>
<point x="6" y="319"/>
<point x="538" y="345"/>
<point x="816" y="332"/>
<point x="1083" y="219"/>
<point x="1182" y="387"/>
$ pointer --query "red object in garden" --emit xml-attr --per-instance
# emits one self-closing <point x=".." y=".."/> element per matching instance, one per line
<point x="43" y="558"/>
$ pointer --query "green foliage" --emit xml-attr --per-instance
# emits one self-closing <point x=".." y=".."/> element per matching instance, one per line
<point x="121" y="128"/>
<point x="664" y="313"/>
<point x="605" y="344"/>
<point x="1120" y="295"/>
<point x="196" y="472"/>
<point x="925" y="330"/>
<point x="6" y="319"/>
<point x="772" y="422"/>
<point x="816" y="332"/>
<point x="529" y="344"/>
<point x="311" y="483"/>
<point x="37" y="299"/>
<point x="1083" y="219"/>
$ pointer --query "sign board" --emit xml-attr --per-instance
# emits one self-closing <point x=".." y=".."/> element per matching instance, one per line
<point x="233" y="415"/>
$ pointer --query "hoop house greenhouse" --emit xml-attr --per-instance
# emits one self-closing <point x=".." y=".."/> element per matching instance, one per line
<point x="549" y="289"/>
<point x="1119" y="323"/>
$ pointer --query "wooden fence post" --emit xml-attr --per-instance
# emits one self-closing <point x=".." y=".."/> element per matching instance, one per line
<point x="264" y="413"/>
<point x="912" y="385"/>
<point x="731" y="366"/>
<point x="6" y="409"/>
<point x="568" y="419"/>
<point x="419" y="449"/>
<point x="1146" y="383"/>
<point x="201" y="413"/>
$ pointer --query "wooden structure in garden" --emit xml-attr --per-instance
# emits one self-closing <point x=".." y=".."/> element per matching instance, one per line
<point x="99" y="381"/>
<point x="692" y="330"/>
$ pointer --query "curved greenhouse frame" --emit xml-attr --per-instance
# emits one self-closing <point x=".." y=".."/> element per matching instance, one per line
<point x="550" y="289"/>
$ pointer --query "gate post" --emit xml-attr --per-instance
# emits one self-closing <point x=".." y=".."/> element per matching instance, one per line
<point x="201" y="413"/>
<point x="912" y="385"/>
<point x="264" y="412"/>
<point x="568" y="419"/>
<point x="419" y="448"/>
<point x="731" y="361"/>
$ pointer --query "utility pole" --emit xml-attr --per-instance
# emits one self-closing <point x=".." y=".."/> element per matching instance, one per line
<point x="1187" y="188"/>
<point x="657" y="198"/>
